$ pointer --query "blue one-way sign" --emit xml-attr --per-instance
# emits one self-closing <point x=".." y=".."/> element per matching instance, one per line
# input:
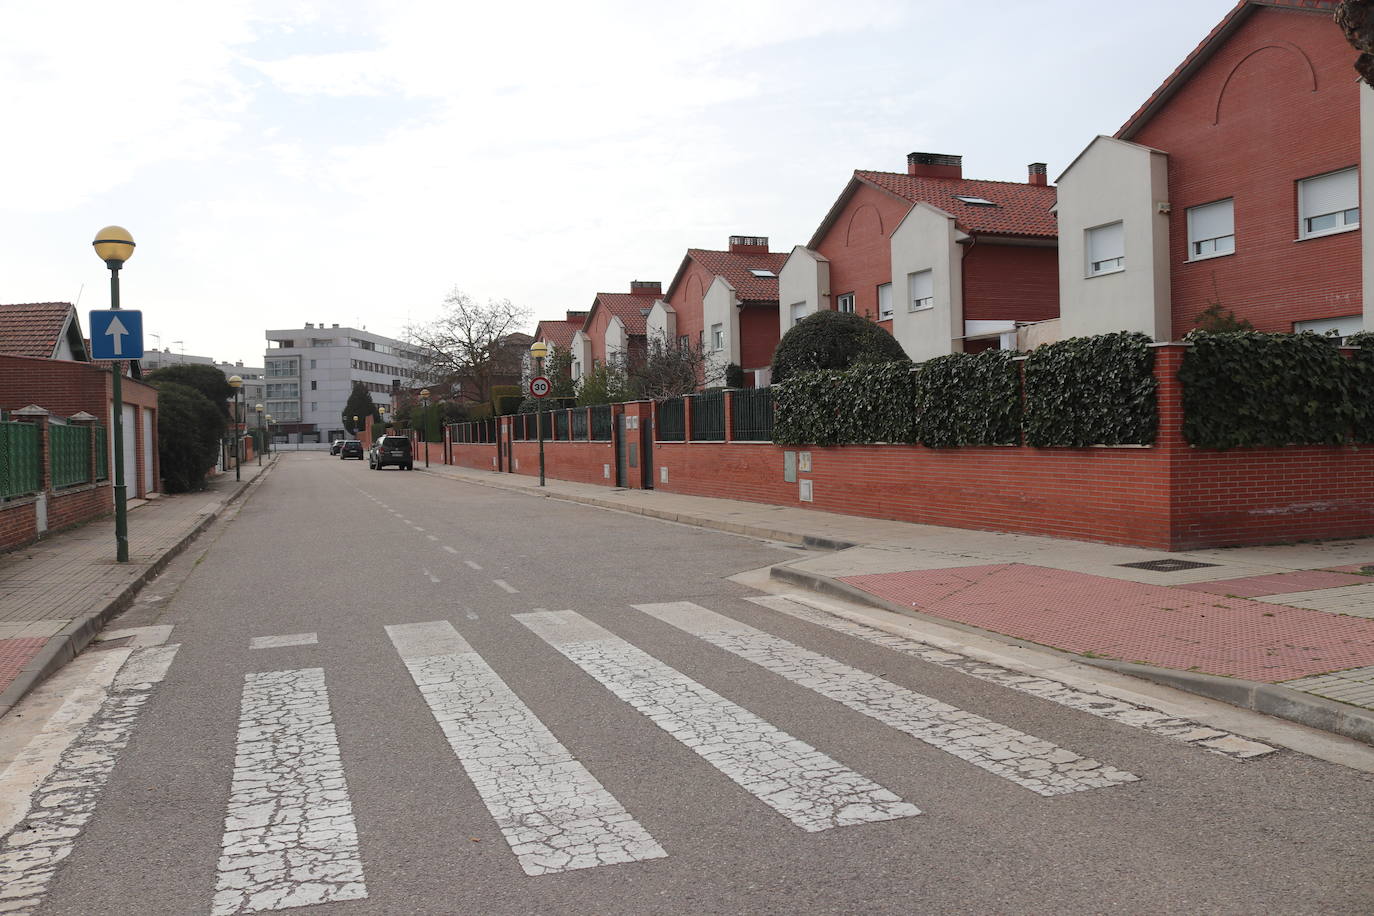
<point x="116" y="334"/>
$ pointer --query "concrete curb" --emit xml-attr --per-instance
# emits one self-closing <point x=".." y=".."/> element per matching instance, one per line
<point x="1269" y="699"/>
<point x="77" y="635"/>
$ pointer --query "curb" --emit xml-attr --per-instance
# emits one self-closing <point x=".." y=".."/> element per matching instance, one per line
<point x="77" y="635"/>
<point x="1270" y="699"/>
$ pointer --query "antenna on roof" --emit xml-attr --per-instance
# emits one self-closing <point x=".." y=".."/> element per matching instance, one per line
<point x="78" y="295"/>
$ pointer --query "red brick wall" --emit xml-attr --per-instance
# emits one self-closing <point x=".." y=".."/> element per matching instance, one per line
<point x="758" y="331"/>
<point x="1249" y="125"/>
<point x="686" y="300"/>
<point x="69" y="508"/>
<point x="859" y="247"/>
<point x="1011" y="283"/>
<point x="482" y="457"/>
<point x="581" y="462"/>
<point x="18" y="523"/>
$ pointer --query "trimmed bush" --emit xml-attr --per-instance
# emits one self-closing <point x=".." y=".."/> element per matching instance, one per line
<point x="867" y="403"/>
<point x="1091" y="391"/>
<point x="833" y="340"/>
<point x="189" y="431"/>
<point x="968" y="399"/>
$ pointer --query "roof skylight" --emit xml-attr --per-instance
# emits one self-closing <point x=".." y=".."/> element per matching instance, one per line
<point x="761" y="272"/>
<point x="976" y="201"/>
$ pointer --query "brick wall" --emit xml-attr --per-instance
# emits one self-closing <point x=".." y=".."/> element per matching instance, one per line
<point x="859" y="247"/>
<point x="18" y="522"/>
<point x="1275" y="104"/>
<point x="686" y="300"/>
<point x="1011" y="283"/>
<point x="758" y="331"/>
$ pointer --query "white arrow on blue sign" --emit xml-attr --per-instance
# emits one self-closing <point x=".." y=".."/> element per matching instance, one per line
<point x="116" y="334"/>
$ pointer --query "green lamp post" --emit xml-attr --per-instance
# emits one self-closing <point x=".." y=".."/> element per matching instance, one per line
<point x="114" y="245"/>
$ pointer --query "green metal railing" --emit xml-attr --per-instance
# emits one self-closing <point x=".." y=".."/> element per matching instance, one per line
<point x="708" y="417"/>
<point x="560" y="425"/>
<point x="751" y="415"/>
<point x="601" y="423"/>
<point x="671" y="426"/>
<point x="579" y="423"/>
<point x="102" y="453"/>
<point x="20" y="453"/>
<point x="69" y="456"/>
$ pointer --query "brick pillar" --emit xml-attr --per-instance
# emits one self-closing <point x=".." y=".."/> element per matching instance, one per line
<point x="40" y="416"/>
<point x="729" y="396"/>
<point x="687" y="417"/>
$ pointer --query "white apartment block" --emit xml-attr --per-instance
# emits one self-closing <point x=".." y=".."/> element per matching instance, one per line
<point x="252" y="392"/>
<point x="311" y="370"/>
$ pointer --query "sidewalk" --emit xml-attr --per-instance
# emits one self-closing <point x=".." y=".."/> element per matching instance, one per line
<point x="56" y="594"/>
<point x="1286" y="630"/>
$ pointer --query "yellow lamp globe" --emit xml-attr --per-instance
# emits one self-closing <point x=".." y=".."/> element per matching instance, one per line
<point x="114" y="245"/>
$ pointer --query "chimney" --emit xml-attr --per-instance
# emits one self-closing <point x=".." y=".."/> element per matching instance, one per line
<point x="748" y="244"/>
<point x="935" y="165"/>
<point x="577" y="316"/>
<point x="646" y="288"/>
<point x="1037" y="174"/>
<point x="309" y="325"/>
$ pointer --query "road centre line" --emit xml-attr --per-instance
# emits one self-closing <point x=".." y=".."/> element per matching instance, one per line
<point x="1135" y="715"/>
<point x="794" y="779"/>
<point x="1030" y="762"/>
<point x="471" y="565"/>
<point x="431" y="537"/>
<point x="506" y="586"/>
<point x="554" y="814"/>
<point x="289" y="835"/>
<point x="450" y="549"/>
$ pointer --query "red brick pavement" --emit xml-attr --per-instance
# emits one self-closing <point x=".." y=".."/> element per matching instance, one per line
<point x="14" y="655"/>
<point x="1278" y="583"/>
<point x="1155" y="625"/>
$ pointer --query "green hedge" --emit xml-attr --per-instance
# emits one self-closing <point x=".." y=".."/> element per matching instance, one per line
<point x="968" y="399"/>
<point x="1253" y="389"/>
<point x="1360" y="387"/>
<point x="871" y="402"/>
<point x="1091" y="391"/>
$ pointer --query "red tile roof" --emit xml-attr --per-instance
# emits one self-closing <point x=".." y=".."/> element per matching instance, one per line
<point x="1020" y="209"/>
<point x="33" y="328"/>
<point x="735" y="267"/>
<point x="558" y="333"/>
<point x="628" y="308"/>
<point x="1207" y="47"/>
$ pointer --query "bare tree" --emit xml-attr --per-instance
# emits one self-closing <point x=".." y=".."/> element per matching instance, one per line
<point x="471" y="344"/>
<point x="669" y="369"/>
<point x="1356" y="19"/>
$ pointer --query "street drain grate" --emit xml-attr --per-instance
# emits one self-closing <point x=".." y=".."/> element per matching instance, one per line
<point x="1167" y="565"/>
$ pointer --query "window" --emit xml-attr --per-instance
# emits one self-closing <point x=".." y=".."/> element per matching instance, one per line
<point x="884" y="301"/>
<point x="313" y="385"/>
<point x="717" y="337"/>
<point x="314" y="405"/>
<point x="845" y="303"/>
<point x="798" y="312"/>
<point x="1331" y="327"/>
<point x="684" y="342"/>
<point x="283" y="390"/>
<point x="1329" y="203"/>
<point x="921" y="289"/>
<point x="976" y="201"/>
<point x="761" y="272"/>
<point x="284" y="410"/>
<point x="1211" y="230"/>
<point x="281" y="368"/>
<point x="312" y="364"/>
<point x="1106" y="249"/>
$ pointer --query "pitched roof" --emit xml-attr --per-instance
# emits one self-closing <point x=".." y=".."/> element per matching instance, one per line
<point x="1019" y="208"/>
<point x="559" y="333"/>
<point x="37" y="328"/>
<point x="735" y="267"/>
<point x="627" y="307"/>
<point x="1206" y="48"/>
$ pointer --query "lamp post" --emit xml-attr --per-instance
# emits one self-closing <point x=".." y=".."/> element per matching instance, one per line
<point x="262" y="438"/>
<point x="236" y="383"/>
<point x="424" y="420"/>
<point x="114" y="245"/>
<point x="539" y="350"/>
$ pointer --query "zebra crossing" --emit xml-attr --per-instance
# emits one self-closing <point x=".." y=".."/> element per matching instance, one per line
<point x="290" y="837"/>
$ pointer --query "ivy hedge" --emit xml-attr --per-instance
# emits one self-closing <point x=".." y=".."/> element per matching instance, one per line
<point x="1091" y="391"/>
<point x="870" y="402"/>
<point x="1248" y="388"/>
<point x="968" y="399"/>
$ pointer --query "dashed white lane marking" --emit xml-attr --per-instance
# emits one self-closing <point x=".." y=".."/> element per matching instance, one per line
<point x="1030" y="762"/>
<point x="431" y="577"/>
<point x="449" y="549"/>
<point x="31" y="853"/>
<point x="431" y="537"/>
<point x="471" y="565"/>
<point x="289" y="835"/>
<point x="796" y="780"/>
<point x="506" y="586"/>
<point x="418" y="528"/>
<point x="1097" y="704"/>
<point x="278" y="642"/>
<point x="551" y="810"/>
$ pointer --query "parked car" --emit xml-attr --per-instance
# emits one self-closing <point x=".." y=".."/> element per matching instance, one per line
<point x="391" y="450"/>
<point x="336" y="445"/>
<point x="350" y="448"/>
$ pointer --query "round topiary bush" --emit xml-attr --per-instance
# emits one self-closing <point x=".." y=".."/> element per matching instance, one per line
<point x="833" y="340"/>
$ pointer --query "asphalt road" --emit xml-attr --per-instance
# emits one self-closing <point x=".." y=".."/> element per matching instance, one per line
<point x="516" y="705"/>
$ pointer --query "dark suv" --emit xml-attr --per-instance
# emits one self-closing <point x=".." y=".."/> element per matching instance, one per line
<point x="350" y="448"/>
<point x="391" y="450"/>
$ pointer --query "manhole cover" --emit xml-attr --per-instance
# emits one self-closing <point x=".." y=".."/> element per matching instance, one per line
<point x="1166" y="565"/>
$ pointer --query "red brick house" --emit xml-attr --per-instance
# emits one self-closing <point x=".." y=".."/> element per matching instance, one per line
<point x="725" y="302"/>
<point x="615" y="327"/>
<point x="559" y="333"/>
<point x="1235" y="183"/>
<point x="945" y="263"/>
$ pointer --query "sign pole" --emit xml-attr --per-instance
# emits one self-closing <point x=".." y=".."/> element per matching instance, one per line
<point x="117" y="431"/>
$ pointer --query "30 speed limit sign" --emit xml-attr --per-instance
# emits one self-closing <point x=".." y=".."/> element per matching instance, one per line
<point x="539" y="386"/>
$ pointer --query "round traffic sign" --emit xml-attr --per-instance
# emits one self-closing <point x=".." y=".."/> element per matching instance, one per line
<point x="539" y="386"/>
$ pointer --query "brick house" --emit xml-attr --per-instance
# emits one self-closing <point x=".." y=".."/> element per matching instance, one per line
<point x="615" y="327"/>
<point x="945" y="263"/>
<point x="558" y="333"/>
<point x="1236" y="183"/>
<point x="725" y="302"/>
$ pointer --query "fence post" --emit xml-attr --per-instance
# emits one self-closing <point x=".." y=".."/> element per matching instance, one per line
<point x="88" y="421"/>
<point x="38" y="415"/>
<point x="729" y="397"/>
<point x="687" y="418"/>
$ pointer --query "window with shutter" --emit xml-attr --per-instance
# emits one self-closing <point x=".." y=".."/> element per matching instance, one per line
<point x="921" y="289"/>
<point x="1211" y="230"/>
<point x="1329" y="203"/>
<point x="1106" y="249"/>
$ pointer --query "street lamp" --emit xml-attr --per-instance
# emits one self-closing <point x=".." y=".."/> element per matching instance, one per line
<point x="114" y="245"/>
<point x="236" y="383"/>
<point x="424" y="420"/>
<point x="262" y="439"/>
<point x="539" y="350"/>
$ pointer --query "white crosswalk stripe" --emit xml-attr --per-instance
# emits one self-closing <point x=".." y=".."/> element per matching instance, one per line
<point x="289" y="835"/>
<point x="804" y="607"/>
<point x="796" y="780"/>
<point x="554" y="814"/>
<point x="1030" y="762"/>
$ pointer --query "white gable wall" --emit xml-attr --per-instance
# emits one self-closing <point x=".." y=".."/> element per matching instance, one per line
<point x="927" y="239"/>
<point x="804" y="279"/>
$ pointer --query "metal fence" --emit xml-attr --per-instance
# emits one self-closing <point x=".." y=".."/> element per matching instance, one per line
<point x="102" y="454"/>
<point x="20" y="454"/>
<point x="751" y="415"/>
<point x="671" y="425"/>
<point x="478" y="431"/>
<point x="601" y="423"/>
<point x="69" y="455"/>
<point x="708" y="417"/>
<point x="560" y="425"/>
<point x="579" y="423"/>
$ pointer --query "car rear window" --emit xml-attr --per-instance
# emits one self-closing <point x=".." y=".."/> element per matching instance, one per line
<point x="395" y="442"/>
<point x="352" y="442"/>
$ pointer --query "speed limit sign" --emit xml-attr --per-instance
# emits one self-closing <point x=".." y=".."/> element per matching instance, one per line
<point x="539" y="386"/>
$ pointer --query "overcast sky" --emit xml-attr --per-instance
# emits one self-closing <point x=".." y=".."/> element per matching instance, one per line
<point x="292" y="161"/>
